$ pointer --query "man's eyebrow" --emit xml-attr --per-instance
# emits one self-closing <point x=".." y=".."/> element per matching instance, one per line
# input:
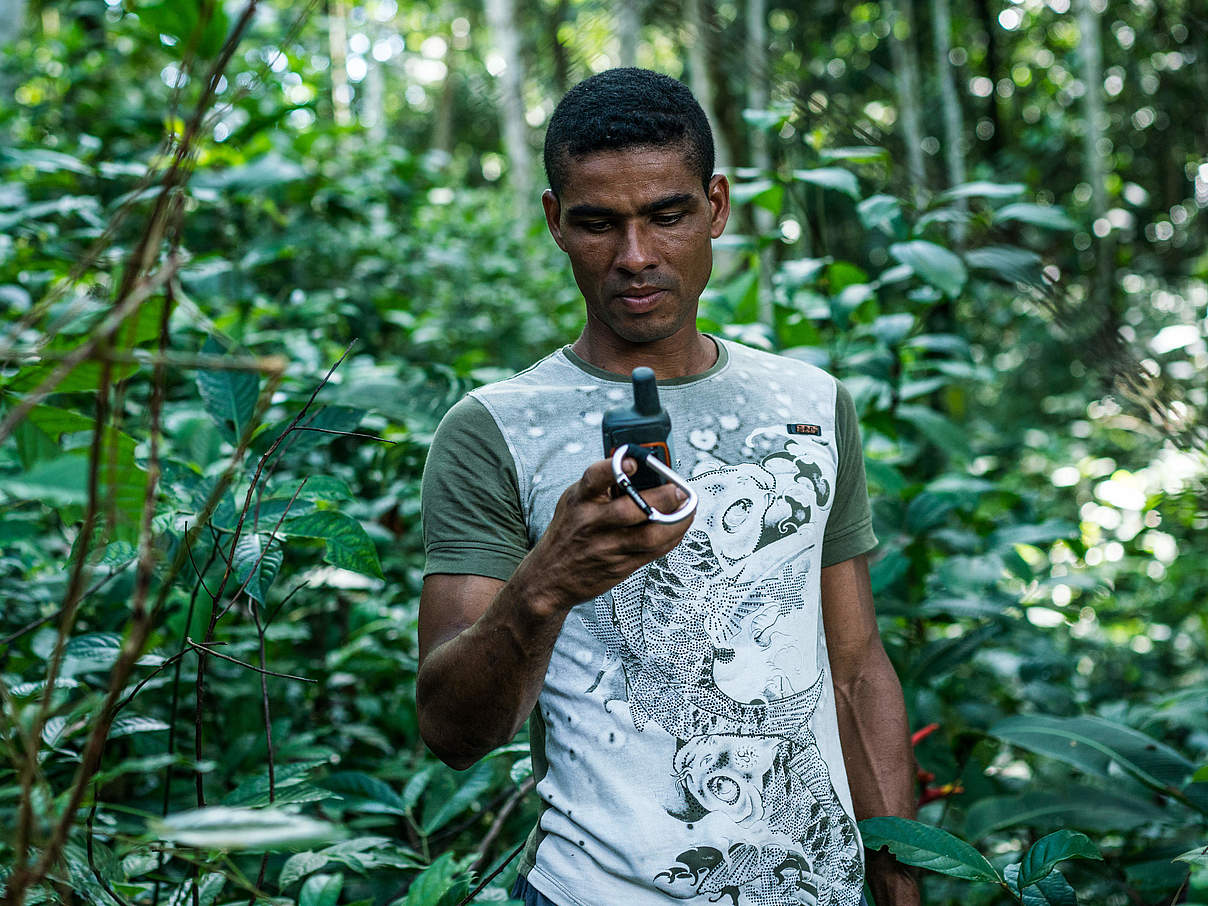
<point x="585" y="211"/>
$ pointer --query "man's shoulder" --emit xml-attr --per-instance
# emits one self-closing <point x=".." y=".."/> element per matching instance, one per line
<point x="550" y="370"/>
<point x="765" y="361"/>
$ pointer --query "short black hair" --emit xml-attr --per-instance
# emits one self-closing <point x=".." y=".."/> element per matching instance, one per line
<point x="625" y="108"/>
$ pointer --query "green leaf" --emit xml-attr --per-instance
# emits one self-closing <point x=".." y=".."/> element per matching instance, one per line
<point x="257" y="556"/>
<point x="1049" y="217"/>
<point x="1014" y="265"/>
<point x="1200" y="776"/>
<point x="940" y="430"/>
<point x="365" y="793"/>
<point x="1040" y="533"/>
<point x="348" y="544"/>
<point x="985" y="189"/>
<point x="1092" y="744"/>
<point x="127" y="726"/>
<point x="416" y="785"/>
<point x="831" y="178"/>
<point x="299" y="865"/>
<point x="321" y="890"/>
<point x="880" y="212"/>
<point x="1053" y="890"/>
<point x="1197" y="856"/>
<point x="473" y="784"/>
<point x="221" y="827"/>
<point x="55" y="482"/>
<point x="182" y="18"/>
<point x="857" y="155"/>
<point x="1045" y="854"/>
<point x="762" y="192"/>
<point x="312" y="430"/>
<point x="228" y="396"/>
<point x="430" y="887"/>
<point x="933" y="263"/>
<point x="927" y="847"/>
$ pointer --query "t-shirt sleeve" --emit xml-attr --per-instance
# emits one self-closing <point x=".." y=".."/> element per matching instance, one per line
<point x="849" y="527"/>
<point x="473" y="522"/>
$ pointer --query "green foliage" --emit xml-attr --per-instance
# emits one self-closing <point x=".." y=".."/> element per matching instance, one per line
<point x="1037" y="581"/>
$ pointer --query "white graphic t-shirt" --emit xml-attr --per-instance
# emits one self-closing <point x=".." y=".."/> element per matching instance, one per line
<point x="686" y="742"/>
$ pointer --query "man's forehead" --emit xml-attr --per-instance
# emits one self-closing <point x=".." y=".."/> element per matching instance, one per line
<point x="645" y="170"/>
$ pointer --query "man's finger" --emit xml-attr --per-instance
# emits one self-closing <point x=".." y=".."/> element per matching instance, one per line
<point x="598" y="477"/>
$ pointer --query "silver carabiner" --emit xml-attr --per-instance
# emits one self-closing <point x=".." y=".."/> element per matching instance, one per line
<point x="642" y="455"/>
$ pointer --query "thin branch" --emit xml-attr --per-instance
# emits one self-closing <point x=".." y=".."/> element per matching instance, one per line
<point x="191" y="360"/>
<point x="41" y="621"/>
<point x="168" y="662"/>
<point x="71" y="602"/>
<point x="276" y="610"/>
<point x="233" y="660"/>
<point x="484" y="849"/>
<point x="264" y="550"/>
<point x="96" y="873"/>
<point x="380" y="440"/>
<point x="200" y="575"/>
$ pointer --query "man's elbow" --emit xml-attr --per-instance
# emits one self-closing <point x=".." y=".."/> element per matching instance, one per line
<point x="447" y="745"/>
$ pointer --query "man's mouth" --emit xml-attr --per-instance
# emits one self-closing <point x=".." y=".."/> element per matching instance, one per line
<point x="641" y="298"/>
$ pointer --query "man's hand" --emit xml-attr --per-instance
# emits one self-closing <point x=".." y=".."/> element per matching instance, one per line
<point x="484" y="645"/>
<point x="598" y="538"/>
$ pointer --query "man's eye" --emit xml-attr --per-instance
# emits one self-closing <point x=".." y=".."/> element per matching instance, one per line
<point x="668" y="219"/>
<point x="595" y="226"/>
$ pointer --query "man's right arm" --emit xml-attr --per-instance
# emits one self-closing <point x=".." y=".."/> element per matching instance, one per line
<point x="484" y="645"/>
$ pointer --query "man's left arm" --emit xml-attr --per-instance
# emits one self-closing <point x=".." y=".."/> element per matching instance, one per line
<point x="872" y="719"/>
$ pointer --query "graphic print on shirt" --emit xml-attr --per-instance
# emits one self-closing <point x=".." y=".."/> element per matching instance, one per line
<point x="700" y="645"/>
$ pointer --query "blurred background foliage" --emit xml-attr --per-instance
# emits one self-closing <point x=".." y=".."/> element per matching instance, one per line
<point x="986" y="216"/>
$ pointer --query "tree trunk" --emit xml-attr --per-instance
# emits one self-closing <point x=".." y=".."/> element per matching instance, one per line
<point x="502" y="19"/>
<point x="558" y="50"/>
<point x="990" y="24"/>
<point x="698" y="72"/>
<point x="954" y="122"/>
<point x="906" y="75"/>
<point x="761" y="157"/>
<point x="337" y="39"/>
<point x="629" y="27"/>
<point x="1094" y="163"/>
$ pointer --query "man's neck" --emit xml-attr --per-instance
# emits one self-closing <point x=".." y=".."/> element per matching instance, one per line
<point x="682" y="355"/>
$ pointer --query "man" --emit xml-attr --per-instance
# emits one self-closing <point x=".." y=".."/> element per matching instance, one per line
<point x="688" y="684"/>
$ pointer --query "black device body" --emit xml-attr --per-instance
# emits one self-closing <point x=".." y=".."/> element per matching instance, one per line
<point x="646" y="423"/>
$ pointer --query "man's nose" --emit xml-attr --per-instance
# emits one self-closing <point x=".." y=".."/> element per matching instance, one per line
<point x="637" y="250"/>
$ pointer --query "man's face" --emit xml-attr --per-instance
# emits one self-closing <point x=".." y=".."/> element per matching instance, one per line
<point x="637" y="225"/>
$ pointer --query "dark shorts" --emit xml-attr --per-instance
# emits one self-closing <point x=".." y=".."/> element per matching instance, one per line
<point x="531" y="896"/>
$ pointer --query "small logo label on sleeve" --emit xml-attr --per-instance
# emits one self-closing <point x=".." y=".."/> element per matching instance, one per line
<point x="802" y="428"/>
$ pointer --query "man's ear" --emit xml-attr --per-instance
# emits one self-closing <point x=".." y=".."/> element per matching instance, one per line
<point x="553" y="216"/>
<point x="719" y="203"/>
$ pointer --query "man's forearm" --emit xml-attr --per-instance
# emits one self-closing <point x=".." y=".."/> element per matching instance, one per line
<point x="880" y="765"/>
<point x="474" y="691"/>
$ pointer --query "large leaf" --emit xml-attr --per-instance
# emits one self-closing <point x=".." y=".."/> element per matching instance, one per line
<point x="348" y="544"/>
<point x="1052" y="890"/>
<point x="229" y="396"/>
<point x="927" y="847"/>
<point x="259" y="558"/>
<point x="1048" y="216"/>
<point x="1014" y="265"/>
<point x="365" y="793"/>
<point x="321" y="890"/>
<point x="433" y="884"/>
<point x="933" y="263"/>
<point x="1045" y="854"/>
<point x="220" y="827"/>
<point x="937" y="428"/>
<point x="1093" y="744"/>
<point x="1073" y="806"/>
<point x="471" y="786"/>
<point x="57" y="482"/>
<point x="831" y="178"/>
<point x="205" y="23"/>
<point x="986" y="189"/>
